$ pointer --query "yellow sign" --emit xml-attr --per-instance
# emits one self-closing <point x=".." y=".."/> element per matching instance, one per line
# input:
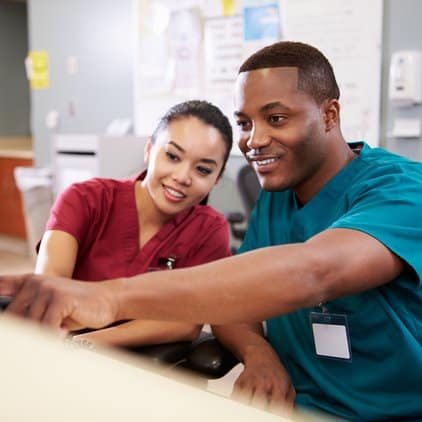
<point x="38" y="69"/>
<point x="229" y="7"/>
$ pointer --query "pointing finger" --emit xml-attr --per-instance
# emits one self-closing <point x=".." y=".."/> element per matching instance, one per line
<point x="57" y="311"/>
<point x="11" y="284"/>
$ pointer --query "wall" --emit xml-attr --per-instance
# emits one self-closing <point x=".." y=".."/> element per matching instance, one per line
<point x="99" y="34"/>
<point x="14" y="93"/>
<point x="402" y="31"/>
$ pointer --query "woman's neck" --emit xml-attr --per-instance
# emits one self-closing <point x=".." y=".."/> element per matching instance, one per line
<point x="149" y="216"/>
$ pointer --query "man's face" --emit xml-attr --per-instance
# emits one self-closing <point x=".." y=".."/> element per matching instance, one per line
<point x="281" y="129"/>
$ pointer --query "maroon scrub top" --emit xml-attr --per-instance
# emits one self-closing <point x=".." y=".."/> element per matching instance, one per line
<point x="101" y="215"/>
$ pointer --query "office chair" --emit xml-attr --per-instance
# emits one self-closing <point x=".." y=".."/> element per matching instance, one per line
<point x="206" y="357"/>
<point x="248" y="187"/>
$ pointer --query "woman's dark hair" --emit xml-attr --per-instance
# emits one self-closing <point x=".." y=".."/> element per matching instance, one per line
<point x="316" y="75"/>
<point x="204" y="111"/>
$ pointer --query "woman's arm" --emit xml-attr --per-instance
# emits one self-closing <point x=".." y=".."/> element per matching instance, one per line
<point x="57" y="257"/>
<point x="57" y="254"/>
<point x="140" y="332"/>
<point x="143" y="332"/>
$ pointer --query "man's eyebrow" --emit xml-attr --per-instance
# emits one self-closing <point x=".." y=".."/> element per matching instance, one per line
<point x="270" y="106"/>
<point x="238" y="113"/>
<point x="265" y="108"/>
<point x="203" y="160"/>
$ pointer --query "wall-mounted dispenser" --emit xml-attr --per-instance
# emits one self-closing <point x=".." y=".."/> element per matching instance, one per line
<point x="405" y="87"/>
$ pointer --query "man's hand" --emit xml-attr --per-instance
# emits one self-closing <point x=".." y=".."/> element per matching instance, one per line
<point x="264" y="383"/>
<point x="59" y="302"/>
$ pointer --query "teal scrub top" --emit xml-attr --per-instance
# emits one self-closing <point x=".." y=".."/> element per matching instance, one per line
<point x="378" y="193"/>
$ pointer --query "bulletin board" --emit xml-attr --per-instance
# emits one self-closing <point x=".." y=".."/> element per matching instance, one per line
<point x="197" y="56"/>
<point x="349" y="33"/>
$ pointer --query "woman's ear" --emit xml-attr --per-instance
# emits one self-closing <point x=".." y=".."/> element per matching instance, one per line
<point x="147" y="151"/>
<point x="331" y="109"/>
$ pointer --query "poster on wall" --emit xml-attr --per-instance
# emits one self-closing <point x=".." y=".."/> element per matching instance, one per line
<point x="202" y="56"/>
<point x="153" y="61"/>
<point x="223" y="41"/>
<point x="37" y="69"/>
<point x="223" y="52"/>
<point x="185" y="38"/>
<point x="261" y="25"/>
<point x="350" y="35"/>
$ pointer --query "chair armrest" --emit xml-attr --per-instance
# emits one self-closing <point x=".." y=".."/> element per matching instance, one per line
<point x="234" y="219"/>
<point x="209" y="359"/>
<point x="168" y="353"/>
<point x="205" y="357"/>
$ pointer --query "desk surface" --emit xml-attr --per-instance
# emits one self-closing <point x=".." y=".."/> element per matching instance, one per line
<point x="43" y="379"/>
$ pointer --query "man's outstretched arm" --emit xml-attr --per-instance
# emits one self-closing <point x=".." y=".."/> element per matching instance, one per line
<point x="250" y="287"/>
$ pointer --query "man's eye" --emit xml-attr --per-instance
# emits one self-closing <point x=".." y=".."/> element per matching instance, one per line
<point x="171" y="156"/>
<point x="204" y="170"/>
<point x="243" y="124"/>
<point x="276" y="119"/>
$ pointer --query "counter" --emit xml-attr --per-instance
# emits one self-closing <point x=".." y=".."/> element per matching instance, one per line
<point x="14" y="152"/>
<point x="16" y="147"/>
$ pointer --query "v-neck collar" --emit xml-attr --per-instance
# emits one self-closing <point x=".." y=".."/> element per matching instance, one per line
<point x="133" y="235"/>
<point x="336" y="185"/>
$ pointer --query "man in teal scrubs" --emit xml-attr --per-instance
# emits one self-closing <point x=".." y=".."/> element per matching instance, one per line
<point x="332" y="259"/>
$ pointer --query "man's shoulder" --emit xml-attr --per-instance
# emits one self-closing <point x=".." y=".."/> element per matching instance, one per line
<point x="385" y="167"/>
<point x="376" y="157"/>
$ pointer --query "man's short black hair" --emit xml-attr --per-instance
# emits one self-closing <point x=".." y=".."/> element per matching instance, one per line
<point x="315" y="73"/>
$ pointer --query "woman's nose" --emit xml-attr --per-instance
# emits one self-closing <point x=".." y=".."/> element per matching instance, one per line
<point x="182" y="174"/>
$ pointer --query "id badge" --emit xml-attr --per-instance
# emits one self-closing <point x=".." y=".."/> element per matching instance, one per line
<point x="331" y="335"/>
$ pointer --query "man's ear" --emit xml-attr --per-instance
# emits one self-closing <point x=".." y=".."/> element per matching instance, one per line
<point x="147" y="151"/>
<point x="331" y="110"/>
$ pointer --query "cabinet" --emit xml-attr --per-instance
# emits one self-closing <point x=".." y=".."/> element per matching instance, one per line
<point x="12" y="221"/>
<point x="81" y="157"/>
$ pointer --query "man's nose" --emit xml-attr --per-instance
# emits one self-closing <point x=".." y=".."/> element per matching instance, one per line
<point x="258" y="138"/>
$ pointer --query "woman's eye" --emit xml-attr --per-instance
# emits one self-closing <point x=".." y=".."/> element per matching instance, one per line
<point x="204" y="170"/>
<point x="171" y="156"/>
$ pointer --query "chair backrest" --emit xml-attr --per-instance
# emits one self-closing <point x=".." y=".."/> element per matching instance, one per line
<point x="249" y="187"/>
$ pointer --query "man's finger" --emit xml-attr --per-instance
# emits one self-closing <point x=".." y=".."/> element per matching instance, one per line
<point x="291" y="396"/>
<point x="260" y="397"/>
<point x="11" y="284"/>
<point x="24" y="297"/>
<point x="242" y="392"/>
<point x="38" y="306"/>
<point x="281" y="402"/>
<point x="56" y="313"/>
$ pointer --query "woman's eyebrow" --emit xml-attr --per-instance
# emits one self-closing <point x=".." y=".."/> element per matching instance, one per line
<point x="208" y="161"/>
<point x="176" y="146"/>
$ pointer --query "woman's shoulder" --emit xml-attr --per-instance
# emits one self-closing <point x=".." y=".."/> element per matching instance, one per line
<point x="97" y="188"/>
<point x="207" y="212"/>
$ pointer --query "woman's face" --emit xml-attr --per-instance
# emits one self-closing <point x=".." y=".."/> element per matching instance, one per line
<point x="184" y="164"/>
